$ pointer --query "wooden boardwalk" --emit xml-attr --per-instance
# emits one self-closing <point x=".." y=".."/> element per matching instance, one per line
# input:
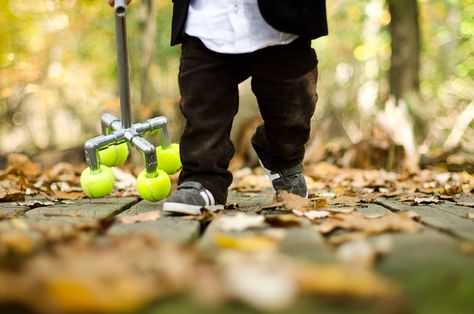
<point x="434" y="267"/>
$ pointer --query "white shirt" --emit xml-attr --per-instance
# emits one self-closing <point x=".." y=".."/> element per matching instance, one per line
<point x="232" y="26"/>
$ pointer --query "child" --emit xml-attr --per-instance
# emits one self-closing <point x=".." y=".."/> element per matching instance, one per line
<point x="224" y="42"/>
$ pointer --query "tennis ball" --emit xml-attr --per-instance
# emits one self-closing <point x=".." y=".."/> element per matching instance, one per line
<point x="114" y="155"/>
<point x="168" y="159"/>
<point x="97" y="184"/>
<point x="153" y="189"/>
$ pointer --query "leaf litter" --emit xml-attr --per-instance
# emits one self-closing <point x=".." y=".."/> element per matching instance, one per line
<point x="248" y="268"/>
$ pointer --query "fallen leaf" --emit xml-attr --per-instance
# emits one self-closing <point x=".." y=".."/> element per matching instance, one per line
<point x="452" y="189"/>
<point x="239" y="222"/>
<point x="361" y="253"/>
<point x="271" y="206"/>
<point x="245" y="243"/>
<point x="320" y="203"/>
<point x="252" y="183"/>
<point x="141" y="217"/>
<point x="21" y="165"/>
<point x="265" y="287"/>
<point x="294" y="202"/>
<point x="345" y="200"/>
<point x="467" y="204"/>
<point x="346" y="237"/>
<point x="312" y="214"/>
<point x="427" y="200"/>
<point x="62" y="215"/>
<point x="338" y="280"/>
<point x="232" y="206"/>
<point x="69" y="195"/>
<point x="400" y="222"/>
<point x="283" y="221"/>
<point x="341" y="210"/>
<point x="123" y="179"/>
<point x="206" y="215"/>
<point x="11" y="194"/>
<point x="16" y="242"/>
<point x="358" y="254"/>
<point x="35" y="203"/>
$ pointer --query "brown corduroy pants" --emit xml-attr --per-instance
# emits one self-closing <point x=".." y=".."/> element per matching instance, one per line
<point x="284" y="81"/>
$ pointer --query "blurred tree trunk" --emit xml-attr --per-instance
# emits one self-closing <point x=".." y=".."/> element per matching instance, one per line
<point x="405" y="59"/>
<point x="400" y="119"/>
<point x="147" y="25"/>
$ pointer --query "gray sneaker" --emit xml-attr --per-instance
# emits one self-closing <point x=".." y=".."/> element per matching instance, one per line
<point x="290" y="179"/>
<point x="190" y="198"/>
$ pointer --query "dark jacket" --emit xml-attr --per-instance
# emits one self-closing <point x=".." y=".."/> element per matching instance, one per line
<point x="306" y="18"/>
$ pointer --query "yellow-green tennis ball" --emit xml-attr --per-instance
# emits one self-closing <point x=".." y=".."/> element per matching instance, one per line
<point x="154" y="189"/>
<point x="97" y="184"/>
<point x="114" y="155"/>
<point x="168" y="159"/>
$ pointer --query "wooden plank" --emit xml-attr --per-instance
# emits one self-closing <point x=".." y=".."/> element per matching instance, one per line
<point x="303" y="242"/>
<point x="452" y="208"/>
<point x="45" y="225"/>
<point x="250" y="202"/>
<point x="306" y="243"/>
<point x="434" y="275"/>
<point x="80" y="211"/>
<point x="373" y="209"/>
<point x="11" y="209"/>
<point x="14" y="209"/>
<point x="442" y="220"/>
<point x="166" y="228"/>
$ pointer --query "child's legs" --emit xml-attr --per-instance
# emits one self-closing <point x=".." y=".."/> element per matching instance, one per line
<point x="208" y="84"/>
<point x="284" y="81"/>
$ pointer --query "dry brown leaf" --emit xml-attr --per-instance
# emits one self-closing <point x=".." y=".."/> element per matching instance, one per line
<point x="427" y="200"/>
<point x="36" y="203"/>
<point x="467" y="204"/>
<point x="62" y="215"/>
<point x="312" y="214"/>
<point x="80" y="278"/>
<point x="252" y="183"/>
<point x="271" y="206"/>
<point x="341" y="210"/>
<point x="294" y="202"/>
<point x="11" y="194"/>
<point x="346" y="237"/>
<point x="205" y="215"/>
<point x="345" y="200"/>
<point x="451" y="188"/>
<point x="283" y="221"/>
<point x="321" y="203"/>
<point x="21" y="165"/>
<point x="60" y="195"/>
<point x="239" y="222"/>
<point x="16" y="242"/>
<point x="141" y="217"/>
<point x="322" y="170"/>
<point x="400" y="222"/>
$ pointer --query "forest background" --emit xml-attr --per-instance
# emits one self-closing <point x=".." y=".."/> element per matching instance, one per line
<point x="396" y="79"/>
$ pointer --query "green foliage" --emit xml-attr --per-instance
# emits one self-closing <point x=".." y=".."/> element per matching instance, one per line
<point x="57" y="65"/>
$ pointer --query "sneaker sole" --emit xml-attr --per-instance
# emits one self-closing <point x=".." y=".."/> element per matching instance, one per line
<point x="189" y="209"/>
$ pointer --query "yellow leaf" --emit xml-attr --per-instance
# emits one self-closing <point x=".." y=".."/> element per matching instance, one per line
<point x="245" y="243"/>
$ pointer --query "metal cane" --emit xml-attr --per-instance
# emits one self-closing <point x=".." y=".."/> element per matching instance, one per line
<point x="111" y="148"/>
